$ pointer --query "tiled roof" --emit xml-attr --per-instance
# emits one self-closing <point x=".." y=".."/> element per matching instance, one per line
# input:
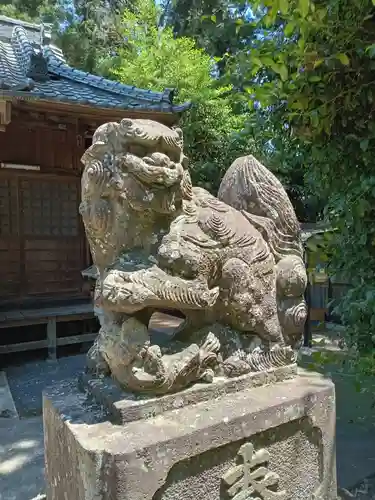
<point x="32" y="67"/>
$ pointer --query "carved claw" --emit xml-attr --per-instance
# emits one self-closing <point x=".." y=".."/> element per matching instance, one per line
<point x="211" y="344"/>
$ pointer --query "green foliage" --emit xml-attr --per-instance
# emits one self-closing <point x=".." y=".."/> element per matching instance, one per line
<point x="214" y="139"/>
<point x="215" y="25"/>
<point x="313" y="68"/>
<point x="87" y="31"/>
<point x="35" y="11"/>
<point x="319" y="248"/>
<point x="223" y="29"/>
<point x="153" y="58"/>
<point x="93" y="33"/>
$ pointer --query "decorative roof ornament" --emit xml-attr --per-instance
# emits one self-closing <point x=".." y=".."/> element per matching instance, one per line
<point x="45" y="34"/>
<point x="38" y="67"/>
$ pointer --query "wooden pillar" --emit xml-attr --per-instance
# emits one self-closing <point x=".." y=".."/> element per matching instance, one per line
<point x="307" y="338"/>
<point x="330" y="297"/>
<point x="51" y="339"/>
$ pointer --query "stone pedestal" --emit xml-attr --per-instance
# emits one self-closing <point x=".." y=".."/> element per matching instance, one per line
<point x="268" y="442"/>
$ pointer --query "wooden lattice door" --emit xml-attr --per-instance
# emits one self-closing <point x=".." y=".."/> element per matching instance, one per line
<point x="42" y="242"/>
<point x="10" y="243"/>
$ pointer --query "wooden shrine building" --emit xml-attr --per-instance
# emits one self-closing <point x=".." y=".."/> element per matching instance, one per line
<point x="48" y="113"/>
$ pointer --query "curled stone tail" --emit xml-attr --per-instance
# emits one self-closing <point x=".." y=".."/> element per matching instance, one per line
<point x="250" y="187"/>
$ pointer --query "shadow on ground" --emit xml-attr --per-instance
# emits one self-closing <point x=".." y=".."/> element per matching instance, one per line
<point x="355" y="424"/>
<point x="21" y="459"/>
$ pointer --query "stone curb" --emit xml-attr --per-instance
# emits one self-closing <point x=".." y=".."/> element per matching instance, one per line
<point x="7" y="406"/>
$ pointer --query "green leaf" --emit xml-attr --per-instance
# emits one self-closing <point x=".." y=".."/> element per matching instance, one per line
<point x="343" y="58"/>
<point x="314" y="79"/>
<point x="256" y="61"/>
<point x="364" y="144"/>
<point x="314" y="119"/>
<point x="284" y="6"/>
<point x="301" y="103"/>
<point x="373" y="2"/>
<point x="289" y="29"/>
<point x="283" y="72"/>
<point x="371" y="50"/>
<point x="304" y="7"/>
<point x="321" y="13"/>
<point x="213" y="18"/>
<point x="296" y="105"/>
<point x="311" y="246"/>
<point x="267" y="61"/>
<point x="268" y="20"/>
<point x="301" y="44"/>
<point x="318" y="62"/>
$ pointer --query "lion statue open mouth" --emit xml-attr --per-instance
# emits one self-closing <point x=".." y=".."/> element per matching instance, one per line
<point x="232" y="264"/>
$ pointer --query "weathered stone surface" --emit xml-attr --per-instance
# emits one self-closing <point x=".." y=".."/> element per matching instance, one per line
<point x="199" y="451"/>
<point x="251" y="188"/>
<point x="159" y="243"/>
<point x="127" y="407"/>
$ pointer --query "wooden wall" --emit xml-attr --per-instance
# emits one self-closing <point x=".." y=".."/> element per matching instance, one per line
<point x="42" y="244"/>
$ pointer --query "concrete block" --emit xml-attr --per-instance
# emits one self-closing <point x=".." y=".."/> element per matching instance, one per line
<point x="270" y="442"/>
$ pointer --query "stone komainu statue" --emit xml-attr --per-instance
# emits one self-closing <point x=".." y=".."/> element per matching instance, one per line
<point x="231" y="265"/>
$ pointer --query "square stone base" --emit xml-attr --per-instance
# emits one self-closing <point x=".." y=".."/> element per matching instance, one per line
<point x="275" y="442"/>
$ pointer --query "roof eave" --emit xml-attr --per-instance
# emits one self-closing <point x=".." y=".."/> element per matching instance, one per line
<point x="34" y="96"/>
<point x="180" y="108"/>
<point x="19" y="22"/>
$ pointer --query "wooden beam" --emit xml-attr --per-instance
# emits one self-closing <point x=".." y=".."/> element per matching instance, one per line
<point x="77" y="339"/>
<point x="5" y="114"/>
<point x="23" y="346"/>
<point x="43" y="344"/>
<point x="92" y="114"/>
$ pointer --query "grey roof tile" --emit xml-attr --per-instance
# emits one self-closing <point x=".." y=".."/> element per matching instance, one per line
<point x="19" y="41"/>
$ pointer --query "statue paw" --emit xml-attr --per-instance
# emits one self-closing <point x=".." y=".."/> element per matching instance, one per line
<point x="154" y="352"/>
<point x="95" y="362"/>
<point x="153" y="361"/>
<point x="235" y="367"/>
<point x="210" y="297"/>
<point x="208" y="376"/>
